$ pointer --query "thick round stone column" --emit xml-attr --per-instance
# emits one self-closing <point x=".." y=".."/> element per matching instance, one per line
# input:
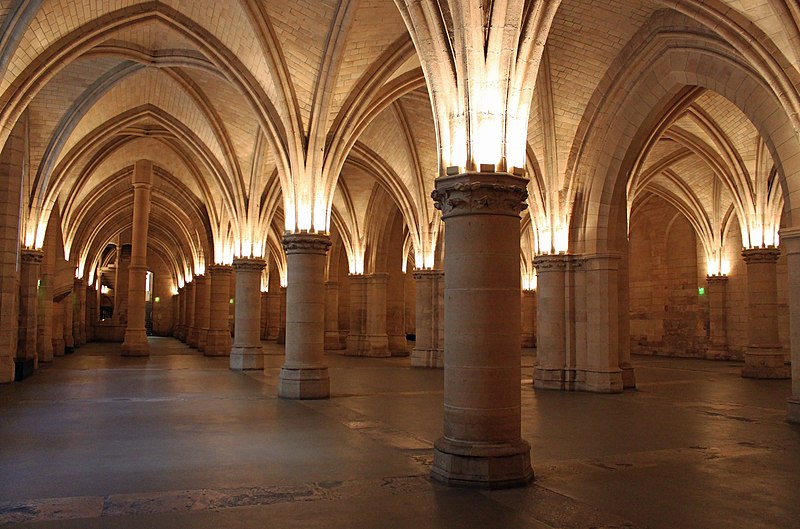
<point x="333" y="338"/>
<point x="376" y="339"/>
<point x="790" y="239"/>
<point x="202" y="308"/>
<point x="135" y="343"/>
<point x="718" y="333"/>
<point x="29" y="270"/>
<point x="356" y="335"/>
<point x="549" y="371"/>
<point x="482" y="444"/>
<point x="304" y="374"/>
<point x="528" y="318"/>
<point x="218" y="338"/>
<point x="191" y="314"/>
<point x="764" y="355"/>
<point x="428" y="349"/>
<point x="79" y="314"/>
<point x="246" y="352"/>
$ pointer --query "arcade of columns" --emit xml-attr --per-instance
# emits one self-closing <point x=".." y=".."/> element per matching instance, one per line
<point x="285" y="210"/>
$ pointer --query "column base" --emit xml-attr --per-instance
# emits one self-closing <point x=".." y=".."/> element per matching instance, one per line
<point x="7" y="370"/>
<point x="247" y="358"/>
<point x="602" y="381"/>
<point x="398" y="345"/>
<point x="333" y="341"/>
<point x="556" y="379"/>
<point x="485" y="466"/>
<point x="135" y="343"/>
<point x="304" y="383"/>
<point x="628" y="376"/>
<point x="427" y="358"/>
<point x="793" y="414"/>
<point x="192" y="338"/>
<point x="765" y="363"/>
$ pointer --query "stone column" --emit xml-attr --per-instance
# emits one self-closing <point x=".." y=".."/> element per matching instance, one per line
<point x="549" y="372"/>
<point x="69" y="312"/>
<point x="58" y="328"/>
<point x="202" y="308"/>
<point x="191" y="313"/>
<point x="482" y="444"/>
<point x="281" y="338"/>
<point x="304" y="374"/>
<point x="274" y="318"/>
<point x="528" y="318"/>
<point x="30" y="265"/>
<point x="135" y="343"/>
<point x="79" y="314"/>
<point x="121" y="281"/>
<point x="218" y="338"/>
<point x="356" y="339"/>
<point x="180" y="328"/>
<point x="764" y="355"/>
<point x="429" y="348"/>
<point x="333" y="338"/>
<point x="718" y="332"/>
<point x="396" y="314"/>
<point x="246" y="352"/>
<point x="376" y="340"/>
<point x="790" y="239"/>
<point x="44" y="338"/>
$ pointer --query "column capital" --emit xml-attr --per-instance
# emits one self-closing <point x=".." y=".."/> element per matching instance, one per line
<point x="761" y="255"/>
<point x="551" y="262"/>
<point x="427" y="273"/>
<point x="720" y="280"/>
<point x="31" y="255"/>
<point x="220" y="269"/>
<point x="306" y="243"/>
<point x="480" y="194"/>
<point x="254" y="264"/>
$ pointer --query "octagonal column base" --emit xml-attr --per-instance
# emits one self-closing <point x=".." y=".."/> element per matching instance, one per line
<point x="764" y="363"/>
<point x="135" y="343"/>
<point x="483" y="466"/>
<point x="304" y="383"/>
<point x="247" y="358"/>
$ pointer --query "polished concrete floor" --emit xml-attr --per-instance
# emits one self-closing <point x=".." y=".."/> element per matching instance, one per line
<point x="177" y="440"/>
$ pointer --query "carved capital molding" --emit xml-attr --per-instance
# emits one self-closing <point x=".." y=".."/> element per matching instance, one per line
<point x="219" y="270"/>
<point x="306" y="243"/>
<point x="31" y="256"/>
<point x="249" y="264"/>
<point x="480" y="194"/>
<point x="761" y="255"/>
<point x="429" y="275"/>
<point x="717" y="281"/>
<point x="552" y="263"/>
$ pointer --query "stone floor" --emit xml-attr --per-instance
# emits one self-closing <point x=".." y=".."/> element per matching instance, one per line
<point x="177" y="440"/>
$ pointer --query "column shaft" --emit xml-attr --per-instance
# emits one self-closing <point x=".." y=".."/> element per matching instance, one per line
<point x="333" y="338"/>
<point x="791" y="241"/>
<point x="551" y="353"/>
<point x="482" y="444"/>
<point x="429" y="345"/>
<point x="304" y="374"/>
<point x="764" y="355"/>
<point x="202" y="309"/>
<point x="529" y="318"/>
<point x="30" y="264"/>
<point x="218" y="338"/>
<point x="718" y="332"/>
<point x="246" y="352"/>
